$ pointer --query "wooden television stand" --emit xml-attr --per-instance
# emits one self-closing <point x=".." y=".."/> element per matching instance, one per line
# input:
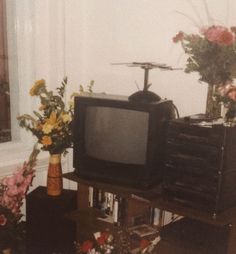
<point x="154" y="198"/>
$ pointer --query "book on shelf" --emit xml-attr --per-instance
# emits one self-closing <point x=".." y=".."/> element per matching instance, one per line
<point x="112" y="206"/>
<point x="143" y="230"/>
<point x="118" y="210"/>
<point x="90" y="197"/>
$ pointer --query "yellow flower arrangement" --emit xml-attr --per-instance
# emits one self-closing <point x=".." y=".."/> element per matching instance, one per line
<point x="52" y="125"/>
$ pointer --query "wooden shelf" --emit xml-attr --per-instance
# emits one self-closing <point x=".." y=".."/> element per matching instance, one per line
<point x="123" y="190"/>
<point x="89" y="216"/>
<point x="155" y="198"/>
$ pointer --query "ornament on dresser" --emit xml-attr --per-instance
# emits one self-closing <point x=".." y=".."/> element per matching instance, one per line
<point x="52" y="126"/>
<point x="211" y="53"/>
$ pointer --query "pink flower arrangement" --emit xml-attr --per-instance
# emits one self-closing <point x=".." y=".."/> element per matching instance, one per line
<point x="216" y="34"/>
<point x="211" y="53"/>
<point x="13" y="190"/>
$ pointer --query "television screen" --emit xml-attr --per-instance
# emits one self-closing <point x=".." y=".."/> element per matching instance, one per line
<point x="116" y="134"/>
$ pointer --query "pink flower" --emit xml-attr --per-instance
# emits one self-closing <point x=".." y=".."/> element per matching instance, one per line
<point x="19" y="178"/>
<point x="29" y="178"/>
<point x="12" y="190"/>
<point x="16" y="187"/>
<point x="219" y="35"/>
<point x="3" y="220"/>
<point x="9" y="181"/>
<point x="8" y="202"/>
<point x="178" y="37"/>
<point x="212" y="33"/>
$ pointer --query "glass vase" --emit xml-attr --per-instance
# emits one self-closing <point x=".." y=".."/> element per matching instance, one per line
<point x="54" y="177"/>
<point x="213" y="107"/>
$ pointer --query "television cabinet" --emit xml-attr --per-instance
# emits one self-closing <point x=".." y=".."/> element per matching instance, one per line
<point x="153" y="197"/>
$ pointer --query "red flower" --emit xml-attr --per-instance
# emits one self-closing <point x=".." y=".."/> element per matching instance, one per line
<point x="144" y="243"/>
<point x="105" y="235"/>
<point x="3" y="220"/>
<point x="86" y="246"/>
<point x="226" y="38"/>
<point x="178" y="37"/>
<point x="101" y="240"/>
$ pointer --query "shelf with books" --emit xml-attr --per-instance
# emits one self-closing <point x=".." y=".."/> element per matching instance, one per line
<point x="116" y="205"/>
<point x="137" y="203"/>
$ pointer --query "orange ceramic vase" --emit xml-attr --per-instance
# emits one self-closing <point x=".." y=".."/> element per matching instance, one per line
<point x="7" y="251"/>
<point x="54" y="177"/>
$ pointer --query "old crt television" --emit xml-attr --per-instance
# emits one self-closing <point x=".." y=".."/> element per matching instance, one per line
<point x="119" y="141"/>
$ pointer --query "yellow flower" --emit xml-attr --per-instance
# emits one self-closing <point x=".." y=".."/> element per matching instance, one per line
<point x="51" y="123"/>
<point x="52" y="118"/>
<point x="66" y="118"/>
<point x="46" y="141"/>
<point x="36" y="87"/>
<point x="47" y="128"/>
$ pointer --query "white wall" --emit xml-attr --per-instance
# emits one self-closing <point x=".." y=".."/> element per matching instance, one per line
<point x="81" y="38"/>
<point x="99" y="33"/>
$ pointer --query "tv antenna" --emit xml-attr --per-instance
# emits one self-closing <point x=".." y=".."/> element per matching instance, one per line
<point x="145" y="95"/>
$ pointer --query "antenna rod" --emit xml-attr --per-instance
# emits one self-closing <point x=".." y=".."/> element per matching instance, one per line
<point x="146" y="73"/>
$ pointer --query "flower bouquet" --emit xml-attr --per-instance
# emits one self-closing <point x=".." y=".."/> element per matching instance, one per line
<point x="52" y="126"/>
<point x="106" y="243"/>
<point x="13" y="190"/>
<point x="211" y="53"/>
